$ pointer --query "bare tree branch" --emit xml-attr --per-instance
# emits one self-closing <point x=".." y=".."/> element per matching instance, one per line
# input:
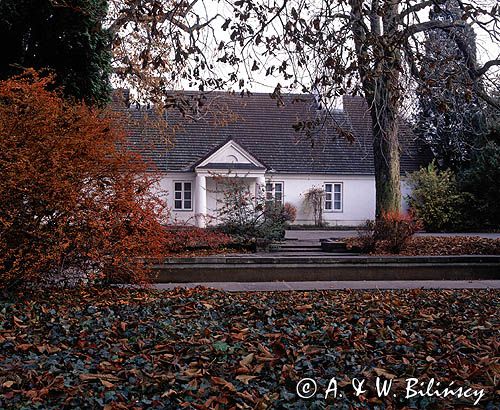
<point x="484" y="69"/>
<point x="431" y="25"/>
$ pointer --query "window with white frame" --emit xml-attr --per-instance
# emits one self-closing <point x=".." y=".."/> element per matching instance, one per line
<point x="274" y="192"/>
<point x="183" y="196"/>
<point x="333" y="196"/>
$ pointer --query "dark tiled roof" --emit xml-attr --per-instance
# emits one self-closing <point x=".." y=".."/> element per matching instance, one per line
<point x="290" y="137"/>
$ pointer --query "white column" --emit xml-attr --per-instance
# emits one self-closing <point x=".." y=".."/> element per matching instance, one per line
<point x="200" y="200"/>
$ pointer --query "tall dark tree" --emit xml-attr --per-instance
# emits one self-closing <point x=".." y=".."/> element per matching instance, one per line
<point x="451" y="115"/>
<point x="65" y="36"/>
<point x="481" y="175"/>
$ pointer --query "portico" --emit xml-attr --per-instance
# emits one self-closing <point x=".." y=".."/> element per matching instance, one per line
<point x="228" y="161"/>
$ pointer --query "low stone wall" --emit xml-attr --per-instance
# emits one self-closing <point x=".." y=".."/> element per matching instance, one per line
<point x="321" y="268"/>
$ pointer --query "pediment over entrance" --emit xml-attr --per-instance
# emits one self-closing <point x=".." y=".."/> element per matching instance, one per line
<point x="231" y="155"/>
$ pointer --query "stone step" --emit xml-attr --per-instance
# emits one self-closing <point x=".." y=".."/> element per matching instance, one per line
<point x="318" y="254"/>
<point x="296" y="250"/>
<point x="299" y="246"/>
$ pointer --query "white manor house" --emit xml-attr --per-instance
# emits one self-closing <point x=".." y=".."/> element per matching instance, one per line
<point x="284" y="147"/>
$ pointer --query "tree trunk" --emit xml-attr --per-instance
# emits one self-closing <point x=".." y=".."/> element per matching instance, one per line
<point x="386" y="153"/>
<point x="384" y="108"/>
<point x="381" y="87"/>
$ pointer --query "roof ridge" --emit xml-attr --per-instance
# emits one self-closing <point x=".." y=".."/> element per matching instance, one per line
<point x="227" y="92"/>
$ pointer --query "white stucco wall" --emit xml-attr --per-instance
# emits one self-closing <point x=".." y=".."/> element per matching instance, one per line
<point x="405" y="191"/>
<point x="167" y="185"/>
<point x="358" y="199"/>
<point x="358" y="196"/>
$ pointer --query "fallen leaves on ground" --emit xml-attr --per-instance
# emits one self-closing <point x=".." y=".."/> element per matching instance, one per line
<point x="439" y="246"/>
<point x="206" y="349"/>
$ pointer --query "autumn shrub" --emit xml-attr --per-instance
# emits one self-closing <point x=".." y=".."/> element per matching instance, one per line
<point x="74" y="202"/>
<point x="248" y="216"/>
<point x="289" y="212"/>
<point x="436" y="199"/>
<point x="276" y="218"/>
<point x="390" y="233"/>
<point x="396" y="229"/>
<point x="366" y="237"/>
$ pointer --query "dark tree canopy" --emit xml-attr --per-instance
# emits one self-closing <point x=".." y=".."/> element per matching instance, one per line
<point x="451" y="116"/>
<point x="481" y="178"/>
<point x="66" y="37"/>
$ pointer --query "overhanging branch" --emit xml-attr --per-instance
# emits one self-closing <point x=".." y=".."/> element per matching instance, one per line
<point x="480" y="72"/>
<point x="431" y="25"/>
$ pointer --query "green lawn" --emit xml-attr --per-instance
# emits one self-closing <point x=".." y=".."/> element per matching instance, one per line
<point x="206" y="349"/>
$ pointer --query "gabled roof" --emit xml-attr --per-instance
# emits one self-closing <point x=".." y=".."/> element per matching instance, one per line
<point x="291" y="136"/>
<point x="229" y="155"/>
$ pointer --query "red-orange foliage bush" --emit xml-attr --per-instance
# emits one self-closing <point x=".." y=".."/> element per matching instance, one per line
<point x="73" y="201"/>
<point x="289" y="212"/>
<point x="396" y="228"/>
<point x="182" y="238"/>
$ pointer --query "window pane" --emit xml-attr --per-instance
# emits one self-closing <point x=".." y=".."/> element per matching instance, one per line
<point x="278" y="197"/>
<point x="187" y="186"/>
<point x="178" y="195"/>
<point x="269" y="187"/>
<point x="187" y="204"/>
<point x="328" y="196"/>
<point x="328" y="205"/>
<point x="328" y="187"/>
<point x="178" y="186"/>
<point x="337" y="205"/>
<point x="336" y="196"/>
<point x="187" y="194"/>
<point x="278" y="187"/>
<point x="337" y="187"/>
<point x="178" y="205"/>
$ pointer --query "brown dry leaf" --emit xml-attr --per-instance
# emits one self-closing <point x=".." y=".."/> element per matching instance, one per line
<point x="247" y="359"/>
<point x="303" y="308"/>
<point x="244" y="378"/>
<point x="384" y="373"/>
<point x="98" y="376"/>
<point x="193" y="372"/>
<point x="312" y="350"/>
<point x="47" y="348"/>
<point x="107" y="384"/>
<point x="221" y="382"/>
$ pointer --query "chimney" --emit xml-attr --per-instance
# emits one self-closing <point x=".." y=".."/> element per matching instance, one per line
<point x="317" y="98"/>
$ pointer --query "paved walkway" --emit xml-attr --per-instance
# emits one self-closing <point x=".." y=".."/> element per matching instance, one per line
<point x="317" y="235"/>
<point x="286" y="286"/>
